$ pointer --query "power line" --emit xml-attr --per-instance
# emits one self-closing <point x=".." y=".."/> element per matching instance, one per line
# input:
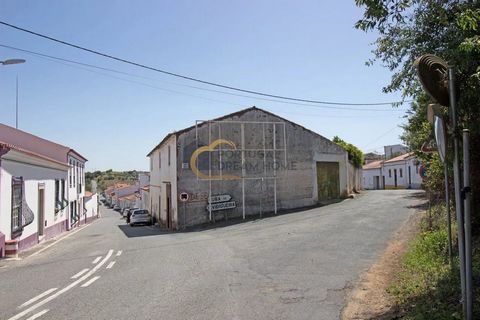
<point x="74" y="62"/>
<point x="194" y="79"/>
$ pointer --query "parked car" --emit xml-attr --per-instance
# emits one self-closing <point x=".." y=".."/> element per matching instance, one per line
<point x="128" y="211"/>
<point x="116" y="207"/>
<point x="140" y="216"/>
<point x="129" y="214"/>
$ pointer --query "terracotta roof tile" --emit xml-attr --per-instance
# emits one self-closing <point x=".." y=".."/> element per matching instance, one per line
<point x="35" y="144"/>
<point x="400" y="157"/>
<point x="373" y="165"/>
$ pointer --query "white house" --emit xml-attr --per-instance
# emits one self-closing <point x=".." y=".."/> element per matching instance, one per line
<point x="76" y="188"/>
<point x="145" y="202"/>
<point x="402" y="172"/>
<point x="35" y="190"/>
<point x="90" y="207"/>
<point x="372" y="175"/>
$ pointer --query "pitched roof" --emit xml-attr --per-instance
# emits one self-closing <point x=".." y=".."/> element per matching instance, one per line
<point x="88" y="194"/>
<point x="234" y="114"/>
<point x="400" y="157"/>
<point x="373" y="165"/>
<point x="129" y="197"/>
<point x="30" y="153"/>
<point x="34" y="144"/>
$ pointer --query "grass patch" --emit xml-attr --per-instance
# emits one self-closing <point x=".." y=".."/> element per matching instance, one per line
<point x="428" y="287"/>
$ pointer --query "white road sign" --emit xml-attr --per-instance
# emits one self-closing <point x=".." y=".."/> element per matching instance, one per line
<point x="221" y="206"/>
<point x="220" y="198"/>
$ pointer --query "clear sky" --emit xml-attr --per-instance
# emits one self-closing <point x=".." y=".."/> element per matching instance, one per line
<point x="306" y="49"/>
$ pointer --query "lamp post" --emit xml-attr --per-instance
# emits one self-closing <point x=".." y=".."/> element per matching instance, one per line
<point x="9" y="62"/>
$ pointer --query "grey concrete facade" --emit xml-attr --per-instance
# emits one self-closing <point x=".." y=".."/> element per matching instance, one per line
<point x="259" y="162"/>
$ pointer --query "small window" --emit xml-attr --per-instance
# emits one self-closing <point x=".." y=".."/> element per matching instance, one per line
<point x="62" y="192"/>
<point x="389" y="173"/>
<point x="17" y="196"/>
<point x="151" y="164"/>
<point x="159" y="159"/>
<point x="169" y="155"/>
<point x="401" y="173"/>
<point x="70" y="173"/>
<point x="57" y="194"/>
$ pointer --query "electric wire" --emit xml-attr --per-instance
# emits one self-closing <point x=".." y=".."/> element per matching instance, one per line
<point x="192" y="78"/>
<point x="52" y="58"/>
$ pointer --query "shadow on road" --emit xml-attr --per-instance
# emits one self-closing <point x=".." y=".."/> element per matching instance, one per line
<point x="220" y="221"/>
<point x="142" y="231"/>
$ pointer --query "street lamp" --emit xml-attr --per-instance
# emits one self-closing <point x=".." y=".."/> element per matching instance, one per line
<point x="6" y="63"/>
<point x="12" y="61"/>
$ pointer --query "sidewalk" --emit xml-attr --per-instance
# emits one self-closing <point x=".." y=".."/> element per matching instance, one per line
<point x="44" y="245"/>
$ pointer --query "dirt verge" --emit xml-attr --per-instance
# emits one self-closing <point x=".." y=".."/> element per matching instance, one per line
<point x="369" y="298"/>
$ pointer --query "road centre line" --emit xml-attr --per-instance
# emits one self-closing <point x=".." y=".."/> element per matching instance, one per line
<point x="89" y="282"/>
<point x="119" y="253"/>
<point x="58" y="293"/>
<point x="38" y="315"/>
<point x="97" y="259"/>
<point x="110" y="265"/>
<point x="40" y="296"/>
<point x="79" y="273"/>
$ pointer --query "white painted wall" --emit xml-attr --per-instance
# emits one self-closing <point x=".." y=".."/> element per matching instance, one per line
<point x="91" y="206"/>
<point x="159" y="175"/>
<point x="402" y="181"/>
<point x="34" y="173"/>
<point x="369" y="176"/>
<point x="76" y="183"/>
<point x="145" y="200"/>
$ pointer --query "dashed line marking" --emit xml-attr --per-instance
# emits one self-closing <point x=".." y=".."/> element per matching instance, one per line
<point x="38" y="315"/>
<point x="58" y="293"/>
<point x="40" y="296"/>
<point x="89" y="282"/>
<point x="110" y="265"/>
<point x="96" y="260"/>
<point x="119" y="253"/>
<point x="79" y="273"/>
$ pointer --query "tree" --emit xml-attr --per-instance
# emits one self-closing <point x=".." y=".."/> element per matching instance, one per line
<point x="355" y="155"/>
<point x="449" y="29"/>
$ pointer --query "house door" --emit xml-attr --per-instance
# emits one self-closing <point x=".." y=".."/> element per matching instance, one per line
<point x="395" y="176"/>
<point x="376" y="182"/>
<point x="41" y="210"/>
<point x="328" y="180"/>
<point x="168" y="204"/>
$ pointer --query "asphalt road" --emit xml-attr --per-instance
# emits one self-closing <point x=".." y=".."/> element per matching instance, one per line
<point x="291" y="266"/>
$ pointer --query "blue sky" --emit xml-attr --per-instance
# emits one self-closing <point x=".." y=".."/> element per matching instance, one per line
<point x="306" y="49"/>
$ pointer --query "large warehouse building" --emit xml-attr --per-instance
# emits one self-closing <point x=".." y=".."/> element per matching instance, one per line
<point x="246" y="163"/>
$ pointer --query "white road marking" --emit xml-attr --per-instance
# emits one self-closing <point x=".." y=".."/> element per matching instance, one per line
<point x="96" y="259"/>
<point x="40" y="296"/>
<point x="38" y="315"/>
<point x="79" y="274"/>
<point x="110" y="265"/>
<point x="119" y="253"/>
<point x="58" y="293"/>
<point x="89" y="282"/>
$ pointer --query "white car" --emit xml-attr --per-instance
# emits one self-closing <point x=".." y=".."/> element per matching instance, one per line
<point x="140" y="216"/>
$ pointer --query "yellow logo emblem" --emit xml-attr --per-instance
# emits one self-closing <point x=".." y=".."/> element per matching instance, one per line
<point x="211" y="147"/>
